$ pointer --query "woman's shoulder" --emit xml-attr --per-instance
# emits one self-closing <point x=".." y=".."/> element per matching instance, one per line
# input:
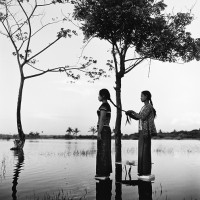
<point x="105" y="106"/>
<point x="147" y="107"/>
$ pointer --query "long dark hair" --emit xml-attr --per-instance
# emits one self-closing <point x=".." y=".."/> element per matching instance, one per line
<point x="104" y="93"/>
<point x="149" y="96"/>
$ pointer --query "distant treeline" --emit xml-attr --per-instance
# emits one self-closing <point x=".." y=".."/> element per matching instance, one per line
<point x="194" y="134"/>
<point x="178" y="135"/>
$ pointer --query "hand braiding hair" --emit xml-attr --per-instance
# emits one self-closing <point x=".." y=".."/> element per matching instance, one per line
<point x="128" y="119"/>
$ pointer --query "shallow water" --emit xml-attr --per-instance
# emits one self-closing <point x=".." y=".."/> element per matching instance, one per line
<point x="67" y="167"/>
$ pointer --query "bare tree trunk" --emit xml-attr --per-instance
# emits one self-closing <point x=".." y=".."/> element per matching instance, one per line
<point x="19" y="144"/>
<point x="118" y="156"/>
<point x="19" y="102"/>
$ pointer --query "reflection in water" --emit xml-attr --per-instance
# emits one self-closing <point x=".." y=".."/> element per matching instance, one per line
<point x="3" y="168"/>
<point x="145" y="190"/>
<point x="103" y="189"/>
<point x="118" y="179"/>
<point x="144" y="187"/>
<point x="18" y="167"/>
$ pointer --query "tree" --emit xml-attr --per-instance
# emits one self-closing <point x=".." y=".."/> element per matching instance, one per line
<point x="137" y="30"/>
<point x="93" y="129"/>
<point x="21" y="22"/>
<point x="76" y="131"/>
<point x="69" y="130"/>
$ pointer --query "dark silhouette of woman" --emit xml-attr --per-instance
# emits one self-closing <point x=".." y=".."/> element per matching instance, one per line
<point x="104" y="189"/>
<point x="103" y="159"/>
<point x="145" y="190"/>
<point x="146" y="130"/>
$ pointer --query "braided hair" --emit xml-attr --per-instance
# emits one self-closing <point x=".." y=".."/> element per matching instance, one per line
<point x="104" y="93"/>
<point x="148" y="95"/>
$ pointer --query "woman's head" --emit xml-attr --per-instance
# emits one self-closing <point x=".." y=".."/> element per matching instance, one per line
<point x="104" y="94"/>
<point x="145" y="95"/>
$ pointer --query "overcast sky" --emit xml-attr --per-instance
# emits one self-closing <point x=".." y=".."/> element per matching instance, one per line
<point x="51" y="103"/>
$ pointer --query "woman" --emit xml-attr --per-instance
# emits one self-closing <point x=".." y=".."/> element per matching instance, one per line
<point x="146" y="129"/>
<point x="103" y="162"/>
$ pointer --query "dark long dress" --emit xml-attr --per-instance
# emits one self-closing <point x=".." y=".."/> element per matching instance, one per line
<point x="146" y="128"/>
<point x="103" y="159"/>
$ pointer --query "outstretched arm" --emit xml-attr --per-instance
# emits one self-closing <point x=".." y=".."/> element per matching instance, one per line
<point x="132" y="114"/>
<point x="142" y="115"/>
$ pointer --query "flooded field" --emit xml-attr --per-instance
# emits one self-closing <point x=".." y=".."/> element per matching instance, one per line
<point x="56" y="169"/>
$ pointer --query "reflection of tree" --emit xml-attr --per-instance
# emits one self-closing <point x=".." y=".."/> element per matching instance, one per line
<point x="103" y="189"/>
<point x="18" y="167"/>
<point x="93" y="129"/>
<point x="144" y="187"/>
<point x="3" y="168"/>
<point x="118" y="179"/>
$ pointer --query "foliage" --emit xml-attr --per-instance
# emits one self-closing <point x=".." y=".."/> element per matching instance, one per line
<point x="93" y="129"/>
<point x="22" y="21"/>
<point x="33" y="135"/>
<point x="69" y="130"/>
<point x="181" y="134"/>
<point x="139" y="29"/>
<point x="139" y="24"/>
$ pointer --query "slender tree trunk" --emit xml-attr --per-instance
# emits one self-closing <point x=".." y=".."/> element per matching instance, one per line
<point x="19" y="102"/>
<point x="19" y="144"/>
<point x="118" y="157"/>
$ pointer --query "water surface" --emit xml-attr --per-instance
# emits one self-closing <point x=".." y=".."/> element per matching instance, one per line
<point x="67" y="167"/>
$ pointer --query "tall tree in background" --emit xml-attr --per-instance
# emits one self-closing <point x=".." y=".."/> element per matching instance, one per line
<point x="76" y="131"/>
<point x="21" y="21"/>
<point x="93" y="130"/>
<point x="137" y="30"/>
<point x="69" y="130"/>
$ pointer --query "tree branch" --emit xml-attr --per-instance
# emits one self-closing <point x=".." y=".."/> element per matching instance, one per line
<point x="28" y="60"/>
<point x="57" y="69"/>
<point x="132" y="59"/>
<point x="134" y="65"/>
<point x="29" y="26"/>
<point x="115" y="59"/>
<point x="15" y="47"/>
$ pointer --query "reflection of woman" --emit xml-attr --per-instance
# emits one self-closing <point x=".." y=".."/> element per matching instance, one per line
<point x="103" y="162"/>
<point x="104" y="189"/>
<point x="146" y="129"/>
<point x="17" y="170"/>
<point x="145" y="190"/>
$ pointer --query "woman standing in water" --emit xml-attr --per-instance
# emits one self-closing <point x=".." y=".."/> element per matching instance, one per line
<point x="146" y="129"/>
<point x="103" y="159"/>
